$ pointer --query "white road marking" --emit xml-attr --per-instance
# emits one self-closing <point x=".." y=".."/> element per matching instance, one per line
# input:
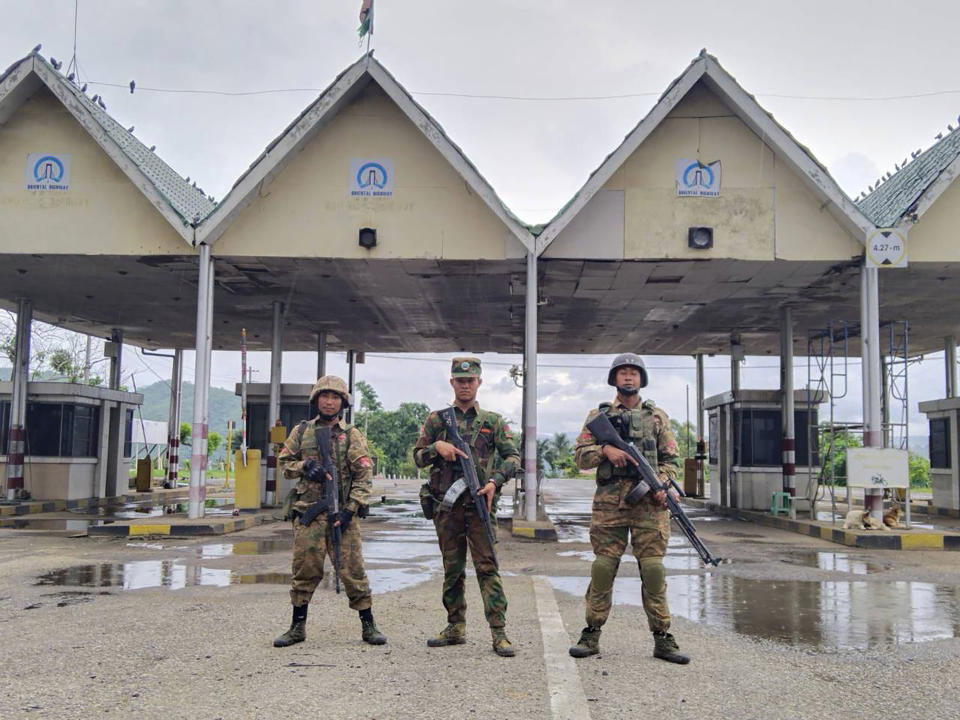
<point x="567" y="700"/>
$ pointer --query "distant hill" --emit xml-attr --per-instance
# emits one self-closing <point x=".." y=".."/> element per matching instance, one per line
<point x="224" y="405"/>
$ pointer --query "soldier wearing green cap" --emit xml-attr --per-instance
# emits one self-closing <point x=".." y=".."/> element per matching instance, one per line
<point x="613" y="520"/>
<point x="488" y="436"/>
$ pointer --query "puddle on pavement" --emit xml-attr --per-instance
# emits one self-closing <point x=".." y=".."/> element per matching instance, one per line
<point x="51" y="524"/>
<point x="833" y="614"/>
<point x="210" y="551"/>
<point x="836" y="562"/>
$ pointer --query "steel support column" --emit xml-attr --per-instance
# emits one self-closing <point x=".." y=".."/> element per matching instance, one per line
<point x="701" y="445"/>
<point x="321" y="353"/>
<point x="351" y="381"/>
<point x="788" y="443"/>
<point x="201" y="385"/>
<point x="116" y="360"/>
<point x="530" y="393"/>
<point x="273" y="410"/>
<point x="950" y="364"/>
<point x="19" y="378"/>
<point x="870" y="370"/>
<point x="736" y="355"/>
<point x="173" y="419"/>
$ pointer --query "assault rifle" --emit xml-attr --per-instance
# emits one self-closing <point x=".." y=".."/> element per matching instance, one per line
<point x="647" y="482"/>
<point x="469" y="481"/>
<point x="330" y="502"/>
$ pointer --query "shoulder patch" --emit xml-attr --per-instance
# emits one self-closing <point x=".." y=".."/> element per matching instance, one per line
<point x="649" y="404"/>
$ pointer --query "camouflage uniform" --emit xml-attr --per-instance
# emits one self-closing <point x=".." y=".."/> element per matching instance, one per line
<point x="488" y="435"/>
<point x="355" y="473"/>
<point x="613" y="520"/>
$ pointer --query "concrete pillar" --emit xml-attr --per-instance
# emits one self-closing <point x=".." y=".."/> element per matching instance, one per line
<point x="201" y="389"/>
<point x="950" y="364"/>
<point x="701" y="444"/>
<point x="173" y="419"/>
<point x="788" y="443"/>
<point x="321" y="353"/>
<point x="273" y="410"/>
<point x="116" y="360"/>
<point x="885" y="401"/>
<point x="351" y="380"/>
<point x="19" y="379"/>
<point x="870" y="369"/>
<point x="530" y="393"/>
<point x="736" y="356"/>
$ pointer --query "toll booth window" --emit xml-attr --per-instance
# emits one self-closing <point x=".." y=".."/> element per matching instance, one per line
<point x="756" y="437"/>
<point x="43" y="429"/>
<point x="128" y="434"/>
<point x="81" y="425"/>
<point x="940" y="442"/>
<point x="807" y="434"/>
<point x="257" y="432"/>
<point x="713" y="439"/>
<point x="4" y="425"/>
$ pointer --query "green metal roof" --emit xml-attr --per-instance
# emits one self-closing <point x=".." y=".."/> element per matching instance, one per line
<point x="897" y="196"/>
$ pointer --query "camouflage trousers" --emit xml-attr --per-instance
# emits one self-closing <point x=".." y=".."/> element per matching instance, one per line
<point x="310" y="545"/>
<point x="456" y="529"/>
<point x="649" y="547"/>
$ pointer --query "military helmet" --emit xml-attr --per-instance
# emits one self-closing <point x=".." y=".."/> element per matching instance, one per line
<point x="334" y="384"/>
<point x="625" y="360"/>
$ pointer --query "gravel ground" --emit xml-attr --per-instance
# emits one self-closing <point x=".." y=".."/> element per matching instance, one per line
<point x="791" y="627"/>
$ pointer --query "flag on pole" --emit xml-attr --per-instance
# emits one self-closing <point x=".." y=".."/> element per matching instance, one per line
<point x="366" y="18"/>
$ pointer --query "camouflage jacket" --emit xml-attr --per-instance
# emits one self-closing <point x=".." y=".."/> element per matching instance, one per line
<point x="650" y="431"/>
<point x="350" y="455"/>
<point x="487" y="434"/>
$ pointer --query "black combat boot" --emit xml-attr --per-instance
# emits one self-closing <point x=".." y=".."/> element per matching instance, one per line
<point x="370" y="633"/>
<point x="588" y="644"/>
<point x="298" y="628"/>
<point x="666" y="648"/>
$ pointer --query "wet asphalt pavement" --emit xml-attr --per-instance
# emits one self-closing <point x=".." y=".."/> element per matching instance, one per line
<point x="788" y="626"/>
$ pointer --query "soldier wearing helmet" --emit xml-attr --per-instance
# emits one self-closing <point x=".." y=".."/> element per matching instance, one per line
<point x="298" y="460"/>
<point x="614" y="521"/>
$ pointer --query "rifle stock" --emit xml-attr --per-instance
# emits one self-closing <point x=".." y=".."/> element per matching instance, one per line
<point x="603" y="430"/>
<point x="449" y="418"/>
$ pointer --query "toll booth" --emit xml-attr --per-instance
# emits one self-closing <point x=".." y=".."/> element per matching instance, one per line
<point x="79" y="439"/>
<point x="293" y="408"/>
<point x="944" y="418"/>
<point x="745" y="429"/>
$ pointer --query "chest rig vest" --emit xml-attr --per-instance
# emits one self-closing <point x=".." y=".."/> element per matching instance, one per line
<point x="310" y="448"/>
<point x="636" y="426"/>
<point x="478" y="434"/>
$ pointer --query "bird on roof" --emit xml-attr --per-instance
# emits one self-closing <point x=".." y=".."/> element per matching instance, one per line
<point x="152" y="148"/>
<point x="37" y="48"/>
<point x="95" y="98"/>
<point x="57" y="64"/>
<point x="915" y="154"/>
<point x="887" y="176"/>
<point x="870" y="187"/>
<point x="949" y="127"/>
<point x="130" y="129"/>
<point x="188" y="178"/>
<point x="101" y="103"/>
<point x="194" y="184"/>
<point x="939" y="136"/>
<point x="71" y="76"/>
<point x="904" y="163"/>
<point x="133" y="85"/>
<point x="897" y="167"/>
<point x="84" y="88"/>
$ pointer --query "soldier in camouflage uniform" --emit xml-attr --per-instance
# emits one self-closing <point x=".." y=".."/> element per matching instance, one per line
<point x="488" y="435"/>
<point x="299" y="460"/>
<point x="613" y="520"/>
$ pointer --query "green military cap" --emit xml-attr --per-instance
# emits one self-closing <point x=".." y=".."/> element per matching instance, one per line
<point x="465" y="367"/>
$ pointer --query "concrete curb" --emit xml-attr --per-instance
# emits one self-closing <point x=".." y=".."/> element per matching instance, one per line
<point x="179" y="529"/>
<point x="30" y="507"/>
<point x="867" y="539"/>
<point x="538" y="530"/>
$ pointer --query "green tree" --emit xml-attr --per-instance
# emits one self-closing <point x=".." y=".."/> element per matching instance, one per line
<point x="919" y="471"/>
<point x="186" y="434"/>
<point x="686" y="437"/>
<point x="833" y="453"/>
<point x="214" y="439"/>
<point x="369" y="401"/>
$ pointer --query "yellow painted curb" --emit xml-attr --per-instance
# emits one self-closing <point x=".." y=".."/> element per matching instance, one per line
<point x="59" y="504"/>
<point x="850" y="539"/>
<point x="527" y="532"/>
<point x="7" y="510"/>
<point x="826" y="533"/>
<point x="923" y="541"/>
<point x="149" y="530"/>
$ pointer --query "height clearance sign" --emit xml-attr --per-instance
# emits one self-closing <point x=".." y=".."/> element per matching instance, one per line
<point x="887" y="248"/>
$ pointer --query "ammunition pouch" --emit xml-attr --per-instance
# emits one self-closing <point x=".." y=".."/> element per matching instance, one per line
<point x="638" y="492"/>
<point x="286" y="508"/>
<point x="427" y="502"/>
<point x="453" y="494"/>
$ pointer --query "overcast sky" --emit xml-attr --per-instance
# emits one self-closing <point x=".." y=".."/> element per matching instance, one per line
<point x="535" y="153"/>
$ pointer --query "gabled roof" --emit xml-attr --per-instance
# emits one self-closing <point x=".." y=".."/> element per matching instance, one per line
<point x="304" y="128"/>
<point x="914" y="187"/>
<point x="706" y="68"/>
<point x="179" y="202"/>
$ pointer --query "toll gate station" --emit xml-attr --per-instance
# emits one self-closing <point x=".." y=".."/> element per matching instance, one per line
<point x="363" y="227"/>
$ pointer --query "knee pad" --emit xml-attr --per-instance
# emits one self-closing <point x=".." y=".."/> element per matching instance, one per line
<point x="603" y="571"/>
<point x="652" y="574"/>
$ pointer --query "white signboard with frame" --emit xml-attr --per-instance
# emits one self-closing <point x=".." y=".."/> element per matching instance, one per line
<point x="48" y="171"/>
<point x="878" y="468"/>
<point x="371" y="178"/>
<point x="697" y="179"/>
<point x="887" y="248"/>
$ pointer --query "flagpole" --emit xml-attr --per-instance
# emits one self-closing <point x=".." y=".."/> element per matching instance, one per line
<point x="372" y="19"/>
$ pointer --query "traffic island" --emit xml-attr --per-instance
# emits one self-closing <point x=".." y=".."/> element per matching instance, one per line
<point x="181" y="526"/>
<point x="900" y="539"/>
<point x="539" y="530"/>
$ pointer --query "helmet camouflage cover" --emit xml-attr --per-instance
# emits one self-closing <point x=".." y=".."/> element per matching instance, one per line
<point x="465" y="367"/>
<point x="334" y="384"/>
<point x="627" y="360"/>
